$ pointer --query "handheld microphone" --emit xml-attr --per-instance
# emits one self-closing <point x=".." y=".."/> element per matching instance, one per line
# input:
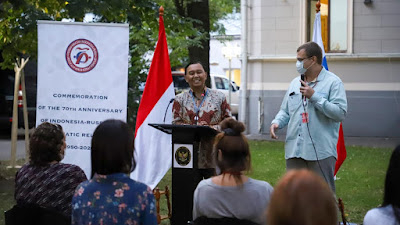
<point x="303" y="79"/>
<point x="170" y="101"/>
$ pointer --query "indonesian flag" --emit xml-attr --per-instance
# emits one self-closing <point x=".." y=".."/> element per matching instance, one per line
<point x="153" y="148"/>
<point x="317" y="38"/>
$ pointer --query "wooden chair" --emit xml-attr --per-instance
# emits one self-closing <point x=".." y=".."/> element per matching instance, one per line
<point x="341" y="209"/>
<point x="157" y="194"/>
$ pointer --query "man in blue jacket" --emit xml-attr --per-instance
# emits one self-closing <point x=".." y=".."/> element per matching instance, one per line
<point x="312" y="109"/>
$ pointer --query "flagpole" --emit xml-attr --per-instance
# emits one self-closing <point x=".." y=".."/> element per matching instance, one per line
<point x="317" y="37"/>
<point x="161" y="11"/>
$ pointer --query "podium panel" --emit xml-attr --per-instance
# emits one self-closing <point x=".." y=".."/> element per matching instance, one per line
<point x="185" y="172"/>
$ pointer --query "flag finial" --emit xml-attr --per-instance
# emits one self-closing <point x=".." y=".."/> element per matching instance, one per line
<point x="318" y="5"/>
<point x="161" y="11"/>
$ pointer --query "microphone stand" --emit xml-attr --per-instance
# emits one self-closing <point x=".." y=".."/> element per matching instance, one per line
<point x="165" y="114"/>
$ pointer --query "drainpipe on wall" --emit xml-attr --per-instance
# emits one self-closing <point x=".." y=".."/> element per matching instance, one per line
<point x="260" y="115"/>
<point x="243" y="77"/>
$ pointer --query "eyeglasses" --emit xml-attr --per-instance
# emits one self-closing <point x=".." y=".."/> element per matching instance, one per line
<point x="301" y="59"/>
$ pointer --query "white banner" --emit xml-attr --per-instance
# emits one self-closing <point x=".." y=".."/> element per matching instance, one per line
<point x="82" y="80"/>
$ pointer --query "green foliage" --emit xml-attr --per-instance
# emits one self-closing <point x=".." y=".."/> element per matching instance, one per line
<point x="18" y="32"/>
<point x="219" y="9"/>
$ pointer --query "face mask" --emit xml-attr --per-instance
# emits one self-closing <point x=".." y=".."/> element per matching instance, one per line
<point x="300" y="67"/>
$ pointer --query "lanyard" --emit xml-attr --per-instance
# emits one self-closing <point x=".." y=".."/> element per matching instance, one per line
<point x="197" y="108"/>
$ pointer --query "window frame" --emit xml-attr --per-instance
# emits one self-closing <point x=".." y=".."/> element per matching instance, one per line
<point x="306" y="26"/>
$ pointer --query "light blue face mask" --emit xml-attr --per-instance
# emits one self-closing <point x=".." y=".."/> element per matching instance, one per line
<point x="300" y="67"/>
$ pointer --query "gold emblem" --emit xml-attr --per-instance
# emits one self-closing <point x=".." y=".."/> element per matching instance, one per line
<point x="182" y="156"/>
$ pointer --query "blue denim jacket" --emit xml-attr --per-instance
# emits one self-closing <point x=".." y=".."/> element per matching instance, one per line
<point x="326" y="109"/>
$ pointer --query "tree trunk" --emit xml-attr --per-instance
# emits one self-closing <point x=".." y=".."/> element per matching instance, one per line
<point x="199" y="10"/>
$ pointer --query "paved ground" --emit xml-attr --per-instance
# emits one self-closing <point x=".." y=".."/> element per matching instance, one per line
<point x="5" y="145"/>
<point x="5" y="149"/>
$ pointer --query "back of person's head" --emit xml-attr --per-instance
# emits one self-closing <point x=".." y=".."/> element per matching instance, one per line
<point x="312" y="49"/>
<point x="392" y="182"/>
<point x="301" y="197"/>
<point x="112" y="148"/>
<point x="234" y="155"/>
<point x="46" y="144"/>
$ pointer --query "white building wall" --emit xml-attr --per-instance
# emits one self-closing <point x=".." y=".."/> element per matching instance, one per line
<point x="218" y="63"/>
<point x="377" y="27"/>
<point x="370" y="71"/>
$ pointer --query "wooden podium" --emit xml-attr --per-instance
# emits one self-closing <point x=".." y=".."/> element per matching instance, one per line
<point x="185" y="173"/>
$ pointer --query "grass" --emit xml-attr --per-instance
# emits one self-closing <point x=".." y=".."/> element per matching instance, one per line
<point x="359" y="181"/>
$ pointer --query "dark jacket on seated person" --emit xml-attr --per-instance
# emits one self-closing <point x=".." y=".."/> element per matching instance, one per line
<point x="221" y="221"/>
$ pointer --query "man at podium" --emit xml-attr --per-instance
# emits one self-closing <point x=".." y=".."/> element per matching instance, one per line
<point x="201" y="106"/>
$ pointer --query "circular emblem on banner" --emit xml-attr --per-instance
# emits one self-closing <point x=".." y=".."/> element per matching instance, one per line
<point x="81" y="55"/>
<point x="182" y="156"/>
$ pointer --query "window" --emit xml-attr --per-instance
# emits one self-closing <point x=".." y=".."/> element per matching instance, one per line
<point x="221" y="83"/>
<point x="334" y="20"/>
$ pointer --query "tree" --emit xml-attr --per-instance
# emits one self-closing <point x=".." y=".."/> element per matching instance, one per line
<point x="203" y="15"/>
<point x="18" y="32"/>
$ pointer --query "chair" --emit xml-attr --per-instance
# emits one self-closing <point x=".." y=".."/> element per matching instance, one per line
<point x="34" y="215"/>
<point x="343" y="215"/>
<point x="202" y="220"/>
<point x="157" y="194"/>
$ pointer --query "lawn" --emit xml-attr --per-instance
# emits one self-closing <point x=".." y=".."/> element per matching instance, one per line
<point x="359" y="181"/>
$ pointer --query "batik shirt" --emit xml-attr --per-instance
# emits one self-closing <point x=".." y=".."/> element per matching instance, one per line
<point x="51" y="186"/>
<point x="213" y="108"/>
<point x="113" y="199"/>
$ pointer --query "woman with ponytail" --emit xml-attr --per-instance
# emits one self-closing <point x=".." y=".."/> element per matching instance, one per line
<point x="232" y="194"/>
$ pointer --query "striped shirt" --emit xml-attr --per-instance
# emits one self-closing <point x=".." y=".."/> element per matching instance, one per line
<point x="50" y="186"/>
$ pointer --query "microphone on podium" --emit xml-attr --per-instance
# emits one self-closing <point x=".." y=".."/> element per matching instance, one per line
<point x="165" y="114"/>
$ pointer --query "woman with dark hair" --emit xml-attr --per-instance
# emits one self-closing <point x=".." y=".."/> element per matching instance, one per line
<point x="302" y="197"/>
<point x="110" y="196"/>
<point x="232" y="194"/>
<point x="44" y="181"/>
<point x="389" y="212"/>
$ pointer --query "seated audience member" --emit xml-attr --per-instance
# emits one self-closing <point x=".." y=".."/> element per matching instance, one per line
<point x="302" y="197"/>
<point x="232" y="194"/>
<point x="44" y="181"/>
<point x="389" y="212"/>
<point x="111" y="196"/>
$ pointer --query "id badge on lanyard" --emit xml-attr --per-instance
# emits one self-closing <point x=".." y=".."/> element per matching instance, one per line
<point x="304" y="117"/>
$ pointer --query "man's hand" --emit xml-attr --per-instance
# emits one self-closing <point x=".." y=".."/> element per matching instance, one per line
<point x="306" y="90"/>
<point x="202" y="123"/>
<point x="272" y="130"/>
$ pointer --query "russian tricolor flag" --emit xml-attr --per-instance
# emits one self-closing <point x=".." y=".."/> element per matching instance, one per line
<point x="153" y="148"/>
<point x="317" y="38"/>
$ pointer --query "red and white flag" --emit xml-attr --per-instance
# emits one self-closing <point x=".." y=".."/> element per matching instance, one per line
<point x="153" y="148"/>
